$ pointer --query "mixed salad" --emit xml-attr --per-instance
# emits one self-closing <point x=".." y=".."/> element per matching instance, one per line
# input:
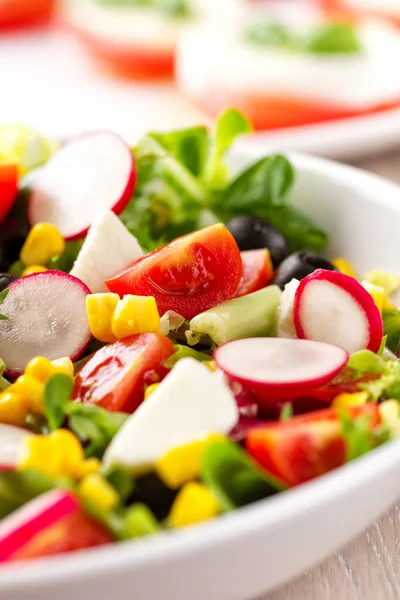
<point x="174" y="344"/>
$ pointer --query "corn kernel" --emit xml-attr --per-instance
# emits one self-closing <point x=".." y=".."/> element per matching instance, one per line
<point x="64" y="365"/>
<point x="194" y="503"/>
<point x="183" y="464"/>
<point x="344" y="267"/>
<point x="100" y="310"/>
<point x="32" y="390"/>
<point x="377" y="292"/>
<point x="389" y="411"/>
<point x="40" y="368"/>
<point x="347" y="400"/>
<point x="211" y="365"/>
<point x="43" y="241"/>
<point x="13" y="408"/>
<point x="150" y="389"/>
<point x="32" y="270"/>
<point x="90" y="466"/>
<point x="135" y="314"/>
<point x="97" y="490"/>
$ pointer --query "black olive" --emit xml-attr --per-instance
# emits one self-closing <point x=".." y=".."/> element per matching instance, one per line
<point x="299" y="265"/>
<point x="13" y="234"/>
<point x="5" y="280"/>
<point x="251" y="233"/>
<point x="150" y="490"/>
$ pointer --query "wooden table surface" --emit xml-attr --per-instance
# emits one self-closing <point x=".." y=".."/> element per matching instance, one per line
<point x="369" y="567"/>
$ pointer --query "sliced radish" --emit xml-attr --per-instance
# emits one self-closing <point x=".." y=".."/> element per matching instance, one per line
<point x="10" y="440"/>
<point x="285" y="312"/>
<point x="275" y="367"/>
<point x="46" y="316"/>
<point x="90" y="174"/>
<point x="33" y="518"/>
<point x="334" y="308"/>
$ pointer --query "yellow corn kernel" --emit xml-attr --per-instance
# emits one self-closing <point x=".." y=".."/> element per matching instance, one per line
<point x="100" y="310"/>
<point x="388" y="281"/>
<point x="150" y="389"/>
<point x="389" y="411"/>
<point x="344" y="267"/>
<point x="96" y="489"/>
<point x="211" y="365"/>
<point x="64" y="365"/>
<point x="183" y="464"/>
<point x="13" y="408"/>
<point x="32" y="390"/>
<point x="388" y="305"/>
<point x="40" y="368"/>
<point x="135" y="314"/>
<point x="90" y="466"/>
<point x="43" y="241"/>
<point x="194" y="503"/>
<point x="377" y="292"/>
<point x="347" y="400"/>
<point x="32" y="270"/>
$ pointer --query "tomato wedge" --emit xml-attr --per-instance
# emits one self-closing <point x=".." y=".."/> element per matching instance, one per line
<point x="8" y="188"/>
<point x="306" y="446"/>
<point x="116" y="376"/>
<point x="275" y="112"/>
<point x="257" y="271"/>
<point x="16" y="13"/>
<point x="75" y="532"/>
<point x="189" y="275"/>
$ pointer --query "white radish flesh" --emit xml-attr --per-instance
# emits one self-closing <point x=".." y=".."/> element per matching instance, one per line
<point x="46" y="316"/>
<point x="285" y="312"/>
<point x="280" y="364"/>
<point x="90" y="174"/>
<point x="108" y="248"/>
<point x="334" y="308"/>
<point x="10" y="441"/>
<point x="33" y="518"/>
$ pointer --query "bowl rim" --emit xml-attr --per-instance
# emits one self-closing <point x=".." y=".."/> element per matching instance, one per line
<point x="241" y="523"/>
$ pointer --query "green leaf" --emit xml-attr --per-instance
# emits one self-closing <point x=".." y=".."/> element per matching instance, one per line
<point x="272" y="35"/>
<point x="388" y="384"/>
<point x="234" y="478"/>
<point x="298" y="229"/>
<point x="360" y="438"/>
<point x="17" y="268"/>
<point x="121" y="480"/>
<point x="57" y="394"/>
<point x="4" y="384"/>
<point x="286" y="412"/>
<point x="391" y="328"/>
<point x="139" y="522"/>
<point x="3" y="296"/>
<point x="334" y="38"/>
<point x="19" y="487"/>
<point x="365" y="361"/>
<point x="65" y="261"/>
<point x="382" y="347"/>
<point x="184" y="352"/>
<point x="188" y="146"/>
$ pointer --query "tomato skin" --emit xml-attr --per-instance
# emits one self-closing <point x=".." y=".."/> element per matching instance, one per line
<point x="257" y="271"/>
<point x="116" y="376"/>
<point x="267" y="112"/>
<point x="190" y="275"/>
<point x="8" y="188"/>
<point x="306" y="446"/>
<point x="16" y="13"/>
<point x="75" y="532"/>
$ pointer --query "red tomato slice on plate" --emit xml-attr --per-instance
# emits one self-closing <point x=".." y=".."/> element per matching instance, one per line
<point x="116" y="376"/>
<point x="8" y="188"/>
<point x="75" y="532"/>
<point x="257" y="271"/>
<point x="189" y="275"/>
<point x="14" y="13"/>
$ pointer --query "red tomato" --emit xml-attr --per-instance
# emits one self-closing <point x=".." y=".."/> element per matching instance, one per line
<point x="138" y="63"/>
<point x="304" y="447"/>
<point x="189" y="275"/>
<point x="14" y="13"/>
<point x="257" y="271"/>
<point x="75" y="532"/>
<point x="276" y="112"/>
<point x="8" y="188"/>
<point x="341" y="9"/>
<point x="116" y="376"/>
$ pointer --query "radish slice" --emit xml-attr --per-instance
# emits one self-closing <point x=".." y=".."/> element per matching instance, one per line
<point x="46" y="317"/>
<point x="334" y="308"/>
<point x="35" y="517"/>
<point x="280" y="366"/>
<point x="10" y="440"/>
<point x="90" y="174"/>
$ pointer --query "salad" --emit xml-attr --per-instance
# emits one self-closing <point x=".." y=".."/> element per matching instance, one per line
<point x="283" y="71"/>
<point x="174" y="343"/>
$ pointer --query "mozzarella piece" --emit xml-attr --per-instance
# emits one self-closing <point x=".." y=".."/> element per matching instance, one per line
<point x="108" y="248"/>
<point x="189" y="404"/>
<point x="211" y="62"/>
<point x="285" y="311"/>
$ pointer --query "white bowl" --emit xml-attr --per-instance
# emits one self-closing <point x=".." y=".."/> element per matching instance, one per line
<point x="252" y="550"/>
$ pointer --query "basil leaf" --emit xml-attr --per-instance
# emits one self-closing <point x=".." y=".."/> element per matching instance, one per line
<point x="4" y="384"/>
<point x="57" y="394"/>
<point x="234" y="478"/>
<point x="121" y="480"/>
<point x="365" y="361"/>
<point x="184" y="352"/>
<point x="19" y="487"/>
<point x="139" y="522"/>
<point x="391" y="328"/>
<point x="65" y="261"/>
<point x="188" y="146"/>
<point x="334" y="38"/>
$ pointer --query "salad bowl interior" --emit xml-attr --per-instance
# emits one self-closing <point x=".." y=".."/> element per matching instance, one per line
<point x="257" y="548"/>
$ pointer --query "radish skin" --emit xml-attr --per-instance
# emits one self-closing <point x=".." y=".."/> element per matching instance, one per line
<point x="334" y="308"/>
